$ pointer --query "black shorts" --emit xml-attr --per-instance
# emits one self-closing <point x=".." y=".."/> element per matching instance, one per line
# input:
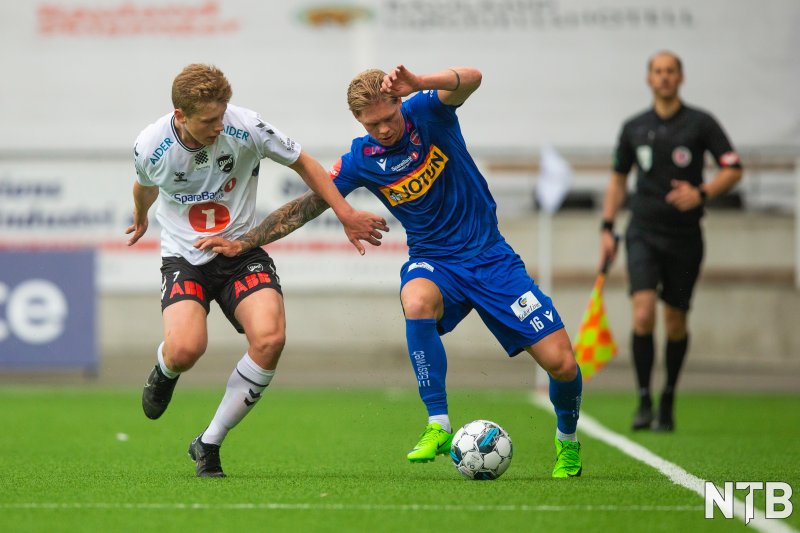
<point x="669" y="264"/>
<point x="228" y="280"/>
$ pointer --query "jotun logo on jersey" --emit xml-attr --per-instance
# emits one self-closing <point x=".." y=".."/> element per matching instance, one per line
<point x="415" y="185"/>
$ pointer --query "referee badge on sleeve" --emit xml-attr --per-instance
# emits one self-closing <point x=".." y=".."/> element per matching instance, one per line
<point x="644" y="157"/>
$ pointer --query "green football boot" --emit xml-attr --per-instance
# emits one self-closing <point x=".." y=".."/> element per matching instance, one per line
<point x="568" y="459"/>
<point x="433" y="441"/>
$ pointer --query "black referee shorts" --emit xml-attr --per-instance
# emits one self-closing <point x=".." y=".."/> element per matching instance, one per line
<point x="666" y="263"/>
<point x="228" y="280"/>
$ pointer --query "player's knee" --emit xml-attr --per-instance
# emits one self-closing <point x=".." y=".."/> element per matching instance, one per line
<point x="265" y="349"/>
<point x="565" y="368"/>
<point x="181" y="355"/>
<point x="416" y="306"/>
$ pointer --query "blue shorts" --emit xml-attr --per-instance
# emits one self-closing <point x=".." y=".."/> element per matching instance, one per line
<point x="496" y="284"/>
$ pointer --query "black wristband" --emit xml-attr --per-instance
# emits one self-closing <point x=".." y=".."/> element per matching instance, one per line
<point x="607" y="225"/>
<point x="703" y="195"/>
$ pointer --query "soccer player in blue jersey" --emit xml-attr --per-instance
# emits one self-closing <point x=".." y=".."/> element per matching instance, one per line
<point x="415" y="160"/>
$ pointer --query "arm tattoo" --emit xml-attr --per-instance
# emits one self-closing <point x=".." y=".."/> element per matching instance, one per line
<point x="284" y="220"/>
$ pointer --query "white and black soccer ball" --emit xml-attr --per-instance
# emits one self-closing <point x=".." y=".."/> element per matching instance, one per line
<point x="481" y="450"/>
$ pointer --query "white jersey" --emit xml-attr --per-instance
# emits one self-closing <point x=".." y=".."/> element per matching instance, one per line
<point x="209" y="190"/>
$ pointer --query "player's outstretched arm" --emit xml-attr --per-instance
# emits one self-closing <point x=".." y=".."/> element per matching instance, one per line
<point x="358" y="225"/>
<point x="143" y="198"/>
<point x="454" y="84"/>
<point x="278" y="224"/>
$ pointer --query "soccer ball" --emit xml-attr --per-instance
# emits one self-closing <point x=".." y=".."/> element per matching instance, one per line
<point x="481" y="450"/>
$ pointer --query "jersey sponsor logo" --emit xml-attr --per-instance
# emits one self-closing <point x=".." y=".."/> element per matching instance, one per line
<point x="682" y="157"/>
<point x="415" y="185"/>
<point x="373" y="150"/>
<point x="644" y="157"/>
<point x="525" y="305"/>
<point x="230" y="184"/>
<point x="201" y="160"/>
<point x="235" y="132"/>
<point x="209" y="217"/>
<point x="160" y="151"/>
<point x="288" y="143"/>
<point x="402" y="165"/>
<point x="414" y="138"/>
<point x="225" y="162"/>
<point x="729" y="159"/>
<point x="420" y="264"/>
<point x="204" y="196"/>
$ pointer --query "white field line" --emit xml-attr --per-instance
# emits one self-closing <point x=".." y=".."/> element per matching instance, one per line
<point x="675" y="473"/>
<point x="348" y="507"/>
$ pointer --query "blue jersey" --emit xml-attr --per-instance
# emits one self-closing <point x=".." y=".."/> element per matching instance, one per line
<point x="428" y="181"/>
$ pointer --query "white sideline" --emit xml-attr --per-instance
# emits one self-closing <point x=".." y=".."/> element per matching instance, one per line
<point x="675" y="473"/>
<point x="277" y="506"/>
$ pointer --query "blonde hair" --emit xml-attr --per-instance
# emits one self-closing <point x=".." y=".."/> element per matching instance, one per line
<point x="365" y="90"/>
<point x="198" y="84"/>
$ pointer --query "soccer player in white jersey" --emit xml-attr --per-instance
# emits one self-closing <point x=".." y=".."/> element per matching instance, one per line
<point x="202" y="160"/>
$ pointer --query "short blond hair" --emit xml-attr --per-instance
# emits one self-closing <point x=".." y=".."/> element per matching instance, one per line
<point x="199" y="84"/>
<point x="365" y="90"/>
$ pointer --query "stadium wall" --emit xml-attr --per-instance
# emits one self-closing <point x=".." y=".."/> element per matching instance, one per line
<point x="88" y="75"/>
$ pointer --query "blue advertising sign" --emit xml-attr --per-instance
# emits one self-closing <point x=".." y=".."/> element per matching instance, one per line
<point x="47" y="309"/>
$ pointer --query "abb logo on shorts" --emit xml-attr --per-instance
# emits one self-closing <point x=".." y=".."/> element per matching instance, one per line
<point x="250" y="281"/>
<point x="187" y="287"/>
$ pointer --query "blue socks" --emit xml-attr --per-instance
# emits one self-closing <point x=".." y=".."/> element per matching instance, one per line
<point x="566" y="399"/>
<point x="429" y="361"/>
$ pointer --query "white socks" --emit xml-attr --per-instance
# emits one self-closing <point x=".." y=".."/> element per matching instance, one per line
<point x="564" y="436"/>
<point x="442" y="420"/>
<point x="163" y="366"/>
<point x="247" y="382"/>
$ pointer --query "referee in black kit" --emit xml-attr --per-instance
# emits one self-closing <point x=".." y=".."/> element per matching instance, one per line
<point x="664" y="240"/>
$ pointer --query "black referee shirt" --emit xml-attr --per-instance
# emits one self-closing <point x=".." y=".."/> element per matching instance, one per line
<point x="664" y="150"/>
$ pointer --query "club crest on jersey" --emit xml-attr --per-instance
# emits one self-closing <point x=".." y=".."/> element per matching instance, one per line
<point x="225" y="162"/>
<point x="255" y="267"/>
<point x="414" y="185"/>
<point x="525" y="305"/>
<point x="682" y="157"/>
<point x="414" y="137"/>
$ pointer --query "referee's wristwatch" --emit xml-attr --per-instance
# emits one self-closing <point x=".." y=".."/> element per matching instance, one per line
<point x="607" y="225"/>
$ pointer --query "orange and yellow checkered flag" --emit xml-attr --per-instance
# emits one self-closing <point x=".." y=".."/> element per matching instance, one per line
<point x="594" y="345"/>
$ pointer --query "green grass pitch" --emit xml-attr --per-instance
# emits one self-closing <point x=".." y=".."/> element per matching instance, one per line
<point x="334" y="460"/>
